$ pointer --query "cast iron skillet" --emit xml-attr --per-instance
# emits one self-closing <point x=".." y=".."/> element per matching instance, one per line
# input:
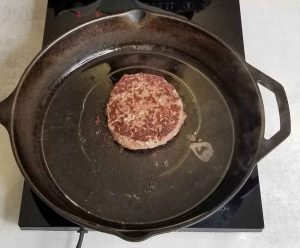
<point x="71" y="160"/>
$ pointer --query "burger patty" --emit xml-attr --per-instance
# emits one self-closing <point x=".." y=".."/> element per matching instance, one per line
<point x="144" y="111"/>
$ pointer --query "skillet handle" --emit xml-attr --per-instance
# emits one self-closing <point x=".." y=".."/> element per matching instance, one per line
<point x="5" y="110"/>
<point x="283" y="107"/>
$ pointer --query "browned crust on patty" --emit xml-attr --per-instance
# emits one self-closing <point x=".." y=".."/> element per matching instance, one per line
<point x="144" y="111"/>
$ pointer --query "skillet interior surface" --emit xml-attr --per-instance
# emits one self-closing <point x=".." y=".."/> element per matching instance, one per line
<point x="136" y="186"/>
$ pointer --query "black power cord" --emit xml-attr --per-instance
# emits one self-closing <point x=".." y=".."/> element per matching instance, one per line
<point x="81" y="232"/>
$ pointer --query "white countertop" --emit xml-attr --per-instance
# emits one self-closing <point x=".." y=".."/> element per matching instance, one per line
<point x="272" y="44"/>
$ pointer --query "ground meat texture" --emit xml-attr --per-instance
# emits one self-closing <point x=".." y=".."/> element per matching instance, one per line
<point x="144" y="111"/>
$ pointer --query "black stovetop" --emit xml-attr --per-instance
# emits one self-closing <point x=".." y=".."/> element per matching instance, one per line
<point x="244" y="211"/>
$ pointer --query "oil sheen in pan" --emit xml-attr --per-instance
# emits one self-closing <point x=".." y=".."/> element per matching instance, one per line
<point x="113" y="183"/>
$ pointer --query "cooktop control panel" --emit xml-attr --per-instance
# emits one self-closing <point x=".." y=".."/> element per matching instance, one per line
<point x="179" y="6"/>
<point x="184" y="7"/>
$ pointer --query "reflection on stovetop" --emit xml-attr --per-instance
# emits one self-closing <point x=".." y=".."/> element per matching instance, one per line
<point x="244" y="211"/>
<point x="59" y="5"/>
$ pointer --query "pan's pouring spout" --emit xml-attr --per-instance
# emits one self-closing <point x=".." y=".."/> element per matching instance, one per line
<point x="137" y="15"/>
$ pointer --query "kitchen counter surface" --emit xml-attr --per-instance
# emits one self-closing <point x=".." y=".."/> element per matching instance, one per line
<point x="271" y="36"/>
